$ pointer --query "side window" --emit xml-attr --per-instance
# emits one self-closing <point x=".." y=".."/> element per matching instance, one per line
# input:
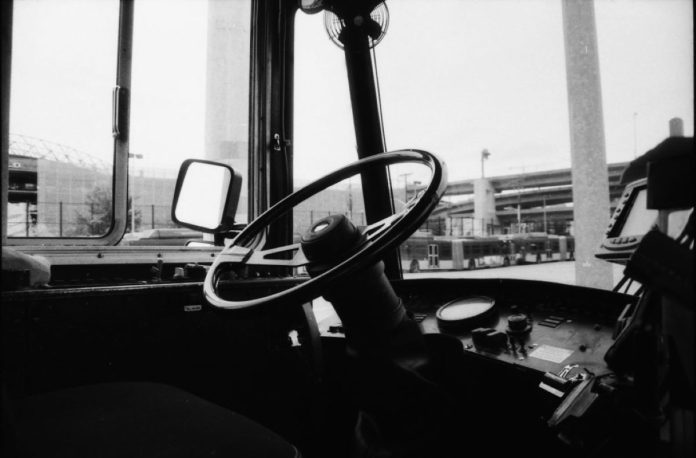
<point x="190" y="99"/>
<point x="61" y="146"/>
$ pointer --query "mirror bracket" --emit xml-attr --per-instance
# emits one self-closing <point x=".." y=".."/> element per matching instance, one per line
<point x="228" y="234"/>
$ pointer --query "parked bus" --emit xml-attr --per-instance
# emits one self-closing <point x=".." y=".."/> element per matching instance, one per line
<point x="424" y="251"/>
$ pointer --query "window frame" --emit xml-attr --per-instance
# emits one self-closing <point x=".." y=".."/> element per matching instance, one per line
<point x="270" y="111"/>
<point x="121" y="120"/>
<point x="270" y="160"/>
<point x="270" y="85"/>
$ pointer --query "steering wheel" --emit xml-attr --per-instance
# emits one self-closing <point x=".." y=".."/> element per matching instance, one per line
<point x="382" y="236"/>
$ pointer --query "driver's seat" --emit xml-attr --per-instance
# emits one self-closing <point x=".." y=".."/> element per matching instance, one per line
<point x="136" y="420"/>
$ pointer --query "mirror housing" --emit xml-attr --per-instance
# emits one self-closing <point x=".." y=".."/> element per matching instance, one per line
<point x="206" y="196"/>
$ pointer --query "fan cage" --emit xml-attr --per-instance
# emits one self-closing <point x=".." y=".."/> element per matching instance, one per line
<point x="334" y="25"/>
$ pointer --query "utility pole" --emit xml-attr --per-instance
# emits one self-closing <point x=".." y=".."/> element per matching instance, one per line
<point x="519" y="209"/>
<point x="132" y="194"/>
<point x="350" y="198"/>
<point x="519" y="204"/>
<point x="546" y="230"/>
<point x="405" y="176"/>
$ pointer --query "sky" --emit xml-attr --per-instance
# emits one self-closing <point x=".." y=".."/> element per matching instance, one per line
<point x="470" y="75"/>
<point x="456" y="76"/>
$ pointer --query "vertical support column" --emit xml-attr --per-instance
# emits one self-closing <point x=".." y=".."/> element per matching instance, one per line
<point x="588" y="158"/>
<point x="6" y="40"/>
<point x="676" y="127"/>
<point x="227" y="127"/>
<point x="484" y="206"/>
<point x="225" y="58"/>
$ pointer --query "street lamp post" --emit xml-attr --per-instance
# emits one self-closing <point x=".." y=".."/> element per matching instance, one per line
<point x="635" y="134"/>
<point x="484" y="155"/>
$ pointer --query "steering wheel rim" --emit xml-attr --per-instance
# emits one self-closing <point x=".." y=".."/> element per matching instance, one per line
<point x="383" y="235"/>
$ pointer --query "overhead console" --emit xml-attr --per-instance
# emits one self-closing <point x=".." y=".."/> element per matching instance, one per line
<point x="629" y="223"/>
<point x="658" y="180"/>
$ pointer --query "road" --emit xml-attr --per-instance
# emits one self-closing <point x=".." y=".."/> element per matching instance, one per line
<point x="559" y="272"/>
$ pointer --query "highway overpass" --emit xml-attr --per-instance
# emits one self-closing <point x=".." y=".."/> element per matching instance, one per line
<point x="531" y="180"/>
<point x="535" y="196"/>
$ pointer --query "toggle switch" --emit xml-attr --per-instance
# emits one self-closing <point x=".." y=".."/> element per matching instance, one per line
<point x="489" y="338"/>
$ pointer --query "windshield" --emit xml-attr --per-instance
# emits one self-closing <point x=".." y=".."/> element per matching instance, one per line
<point x="190" y="100"/>
<point x="512" y="101"/>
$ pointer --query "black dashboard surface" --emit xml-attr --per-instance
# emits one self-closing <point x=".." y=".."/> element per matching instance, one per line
<point x="568" y="325"/>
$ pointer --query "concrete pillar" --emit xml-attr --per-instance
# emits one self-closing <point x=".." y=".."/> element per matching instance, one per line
<point x="484" y="206"/>
<point x="227" y="88"/>
<point x="458" y="254"/>
<point x="676" y="127"/>
<point x="588" y="158"/>
<point x="563" y="248"/>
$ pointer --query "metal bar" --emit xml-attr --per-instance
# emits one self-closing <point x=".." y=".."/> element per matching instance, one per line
<point x="368" y="130"/>
<point x="6" y="9"/>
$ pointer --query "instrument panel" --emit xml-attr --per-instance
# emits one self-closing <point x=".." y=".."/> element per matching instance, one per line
<point x="532" y="325"/>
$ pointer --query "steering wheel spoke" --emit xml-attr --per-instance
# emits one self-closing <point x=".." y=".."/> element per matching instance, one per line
<point x="376" y="229"/>
<point x="235" y="254"/>
<point x="285" y="256"/>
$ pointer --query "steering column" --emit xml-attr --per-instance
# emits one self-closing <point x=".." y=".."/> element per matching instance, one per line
<point x="373" y="316"/>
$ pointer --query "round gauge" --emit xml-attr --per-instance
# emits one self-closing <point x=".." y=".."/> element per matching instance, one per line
<point x="465" y="312"/>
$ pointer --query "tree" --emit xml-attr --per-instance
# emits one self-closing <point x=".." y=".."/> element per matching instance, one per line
<point x="96" y="219"/>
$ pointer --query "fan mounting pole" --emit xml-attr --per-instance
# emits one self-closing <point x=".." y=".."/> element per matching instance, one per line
<point x="367" y="119"/>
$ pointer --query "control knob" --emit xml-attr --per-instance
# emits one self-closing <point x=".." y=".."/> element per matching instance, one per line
<point x="518" y="322"/>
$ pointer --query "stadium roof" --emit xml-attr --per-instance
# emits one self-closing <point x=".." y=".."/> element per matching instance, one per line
<point x="24" y="145"/>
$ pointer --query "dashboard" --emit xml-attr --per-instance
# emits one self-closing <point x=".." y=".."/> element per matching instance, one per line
<point x="535" y="326"/>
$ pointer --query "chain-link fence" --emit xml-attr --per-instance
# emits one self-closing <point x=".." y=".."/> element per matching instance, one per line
<point x="70" y="219"/>
<point x="93" y="219"/>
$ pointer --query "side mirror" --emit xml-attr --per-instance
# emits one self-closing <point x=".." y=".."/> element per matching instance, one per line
<point x="206" y="196"/>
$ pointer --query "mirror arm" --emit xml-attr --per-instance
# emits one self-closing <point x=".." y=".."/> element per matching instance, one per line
<point x="230" y="210"/>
